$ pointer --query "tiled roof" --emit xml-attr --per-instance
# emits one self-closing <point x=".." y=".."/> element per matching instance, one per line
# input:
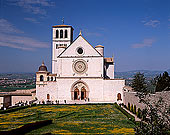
<point x="99" y="46"/>
<point x="63" y="25"/>
<point x="128" y="88"/>
<point x="108" y="60"/>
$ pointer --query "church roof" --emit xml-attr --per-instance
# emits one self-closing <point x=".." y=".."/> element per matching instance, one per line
<point x="62" y="25"/>
<point x="128" y="88"/>
<point x="108" y="60"/>
<point x="42" y="67"/>
<point x="80" y="35"/>
<point x="99" y="46"/>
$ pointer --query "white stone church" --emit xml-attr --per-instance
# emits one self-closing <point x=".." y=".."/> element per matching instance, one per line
<point x="80" y="72"/>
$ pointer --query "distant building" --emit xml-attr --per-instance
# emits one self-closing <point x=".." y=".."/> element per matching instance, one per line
<point x="80" y="73"/>
<point x="8" y="99"/>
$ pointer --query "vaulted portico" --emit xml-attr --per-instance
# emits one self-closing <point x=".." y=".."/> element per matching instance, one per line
<point x="79" y="91"/>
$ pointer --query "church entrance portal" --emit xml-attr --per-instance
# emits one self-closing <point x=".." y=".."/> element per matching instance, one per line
<point x="76" y="94"/>
<point x="79" y="91"/>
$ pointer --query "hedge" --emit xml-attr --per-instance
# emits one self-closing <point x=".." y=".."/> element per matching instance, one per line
<point x="27" y="128"/>
<point x="15" y="109"/>
<point x="65" y="115"/>
<point x="130" y="117"/>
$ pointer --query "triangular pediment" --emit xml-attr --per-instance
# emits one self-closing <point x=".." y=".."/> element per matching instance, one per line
<point x="80" y="42"/>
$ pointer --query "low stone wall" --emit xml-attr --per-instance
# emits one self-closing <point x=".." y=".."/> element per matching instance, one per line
<point x="130" y="97"/>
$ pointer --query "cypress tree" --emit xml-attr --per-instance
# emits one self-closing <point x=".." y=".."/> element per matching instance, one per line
<point x="138" y="83"/>
<point x="162" y="82"/>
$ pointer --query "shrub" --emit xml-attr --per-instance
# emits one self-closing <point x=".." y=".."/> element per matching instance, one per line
<point x="125" y="106"/>
<point x="131" y="108"/>
<point x="29" y="127"/>
<point x="128" y="106"/>
<point x="134" y="109"/>
<point x="138" y="113"/>
<point x="15" y="109"/>
<point x="130" y="117"/>
<point x="144" y="111"/>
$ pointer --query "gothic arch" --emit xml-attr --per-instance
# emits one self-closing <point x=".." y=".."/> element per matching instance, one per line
<point x="79" y="90"/>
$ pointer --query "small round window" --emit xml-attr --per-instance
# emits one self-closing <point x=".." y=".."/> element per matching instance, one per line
<point x="80" y="50"/>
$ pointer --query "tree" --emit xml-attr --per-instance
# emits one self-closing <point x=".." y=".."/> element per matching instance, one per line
<point x="155" y="117"/>
<point x="139" y="113"/>
<point x="138" y="83"/>
<point x="134" y="109"/>
<point x="131" y="108"/>
<point x="128" y="106"/>
<point x="162" y="82"/>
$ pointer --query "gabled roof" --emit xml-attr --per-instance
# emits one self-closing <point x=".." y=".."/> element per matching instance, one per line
<point x="74" y="42"/>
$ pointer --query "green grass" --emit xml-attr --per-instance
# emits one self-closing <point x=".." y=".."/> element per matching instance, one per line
<point x="73" y="119"/>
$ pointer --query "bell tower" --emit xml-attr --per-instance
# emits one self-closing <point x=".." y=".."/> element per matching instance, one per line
<point x="62" y="37"/>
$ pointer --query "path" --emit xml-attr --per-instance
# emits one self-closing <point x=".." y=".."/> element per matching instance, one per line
<point x="136" y="118"/>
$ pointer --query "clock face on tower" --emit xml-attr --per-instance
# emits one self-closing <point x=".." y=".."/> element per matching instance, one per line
<point x="80" y="66"/>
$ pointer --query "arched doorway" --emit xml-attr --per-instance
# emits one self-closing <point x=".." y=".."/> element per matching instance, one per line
<point x="79" y="91"/>
<point x="83" y="93"/>
<point x="119" y="97"/>
<point x="76" y="94"/>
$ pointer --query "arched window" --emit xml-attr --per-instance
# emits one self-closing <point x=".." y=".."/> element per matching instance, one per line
<point x="55" y="78"/>
<point x="51" y="78"/>
<point x="65" y="34"/>
<point x="119" y="97"/>
<point x="48" y="96"/>
<point x="48" y="78"/>
<point x="57" y="34"/>
<point x="61" y="33"/>
<point x="41" y="78"/>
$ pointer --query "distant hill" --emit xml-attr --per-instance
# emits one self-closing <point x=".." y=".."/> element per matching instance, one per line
<point x="130" y="74"/>
<point x="168" y="70"/>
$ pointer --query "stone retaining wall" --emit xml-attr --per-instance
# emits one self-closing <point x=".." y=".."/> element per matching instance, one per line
<point x="129" y="97"/>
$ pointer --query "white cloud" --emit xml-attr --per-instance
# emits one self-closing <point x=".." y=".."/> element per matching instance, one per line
<point x="152" y="23"/>
<point x="21" y="42"/>
<point x="9" y="37"/>
<point x="33" y="6"/>
<point x="31" y="20"/>
<point x="93" y="34"/>
<point x="6" y="27"/>
<point x="89" y="33"/>
<point x="146" y="43"/>
<point x="11" y="45"/>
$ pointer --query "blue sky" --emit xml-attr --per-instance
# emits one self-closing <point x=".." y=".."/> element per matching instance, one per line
<point x="136" y="32"/>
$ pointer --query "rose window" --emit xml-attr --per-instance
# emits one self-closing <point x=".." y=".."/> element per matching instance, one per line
<point x="80" y="66"/>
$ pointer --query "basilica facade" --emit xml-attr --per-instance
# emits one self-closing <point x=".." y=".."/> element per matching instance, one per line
<point x="80" y="72"/>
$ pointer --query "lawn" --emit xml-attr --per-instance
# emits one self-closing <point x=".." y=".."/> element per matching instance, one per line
<point x="73" y="119"/>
